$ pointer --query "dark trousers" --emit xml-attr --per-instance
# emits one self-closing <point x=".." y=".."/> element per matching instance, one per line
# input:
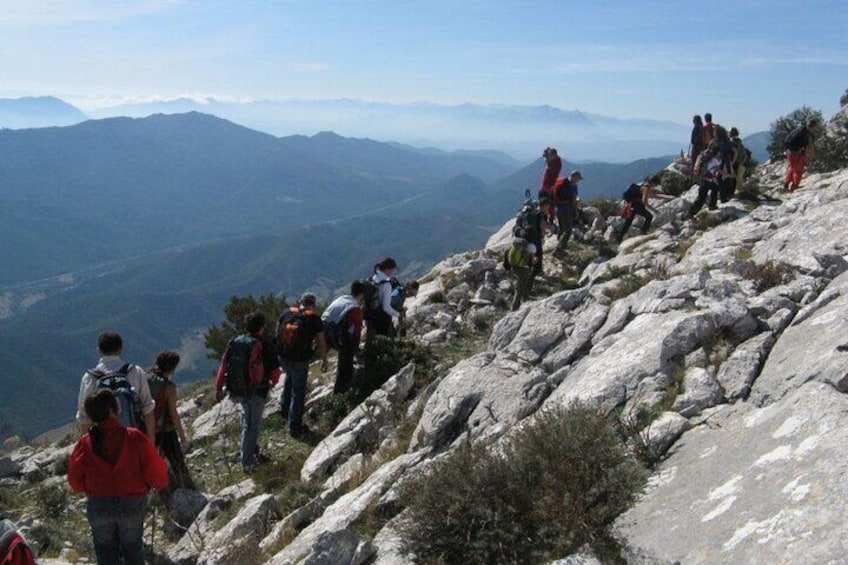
<point x="380" y="323"/>
<point x="706" y="188"/>
<point x="169" y="446"/>
<point x="726" y="188"/>
<point x="638" y="208"/>
<point x="294" y="392"/>
<point x="344" y="369"/>
<point x="524" y="277"/>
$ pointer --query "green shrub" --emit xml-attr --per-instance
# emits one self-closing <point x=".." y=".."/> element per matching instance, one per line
<point x="381" y="358"/>
<point x="843" y="100"/>
<point x="832" y="147"/>
<point x="675" y="183"/>
<point x="607" y="206"/>
<point x="770" y="274"/>
<point x="52" y="499"/>
<point x="556" y="485"/>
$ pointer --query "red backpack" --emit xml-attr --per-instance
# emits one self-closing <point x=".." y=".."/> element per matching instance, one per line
<point x="14" y="549"/>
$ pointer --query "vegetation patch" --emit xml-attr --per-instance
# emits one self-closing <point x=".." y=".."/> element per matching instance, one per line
<point x="769" y="274"/>
<point x="553" y="487"/>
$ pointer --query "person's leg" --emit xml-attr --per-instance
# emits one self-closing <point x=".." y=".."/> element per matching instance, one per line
<point x="740" y="180"/>
<point x="703" y="189"/>
<point x="566" y="225"/>
<point x="713" y="198"/>
<point x="131" y="530"/>
<point x="628" y="221"/>
<point x="648" y="218"/>
<point x="173" y="452"/>
<point x="251" y="417"/>
<point x="104" y="529"/>
<point x="285" y="396"/>
<point x="344" y="370"/>
<point x="798" y="171"/>
<point x="522" y="283"/>
<point x="299" y="374"/>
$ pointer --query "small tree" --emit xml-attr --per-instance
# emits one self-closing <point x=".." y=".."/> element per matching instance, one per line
<point x="844" y="99"/>
<point x="217" y="337"/>
<point x="781" y="127"/>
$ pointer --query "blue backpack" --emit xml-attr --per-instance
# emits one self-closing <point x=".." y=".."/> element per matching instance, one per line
<point x="125" y="393"/>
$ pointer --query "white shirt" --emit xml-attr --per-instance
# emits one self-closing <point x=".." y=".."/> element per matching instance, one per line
<point x="112" y="364"/>
<point x="385" y="289"/>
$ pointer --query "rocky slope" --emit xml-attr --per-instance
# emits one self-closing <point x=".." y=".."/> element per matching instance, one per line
<point x="728" y="331"/>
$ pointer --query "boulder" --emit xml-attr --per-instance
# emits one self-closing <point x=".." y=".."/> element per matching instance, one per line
<point x="238" y="541"/>
<point x="738" y="373"/>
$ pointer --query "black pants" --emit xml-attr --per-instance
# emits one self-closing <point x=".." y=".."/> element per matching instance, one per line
<point x="169" y="445"/>
<point x="380" y="323"/>
<point x="705" y="187"/>
<point x="726" y="188"/>
<point x="344" y="370"/>
<point x="638" y="208"/>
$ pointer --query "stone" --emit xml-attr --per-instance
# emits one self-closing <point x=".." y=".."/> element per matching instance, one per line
<point x="738" y="373"/>
<point x="700" y="390"/>
<point x="9" y="467"/>
<point x="238" y="541"/>
<point x="664" y="431"/>
<point x="184" y="505"/>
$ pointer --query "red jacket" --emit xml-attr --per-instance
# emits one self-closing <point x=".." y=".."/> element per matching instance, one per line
<point x="130" y="469"/>
<point x="552" y="171"/>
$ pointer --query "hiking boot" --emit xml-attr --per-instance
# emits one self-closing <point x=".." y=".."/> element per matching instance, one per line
<point x="300" y="432"/>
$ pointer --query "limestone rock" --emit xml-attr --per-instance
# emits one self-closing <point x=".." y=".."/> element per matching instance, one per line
<point x="238" y="541"/>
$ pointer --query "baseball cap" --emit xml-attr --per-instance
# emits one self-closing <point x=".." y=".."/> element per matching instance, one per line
<point x="576" y="173"/>
<point x="307" y="298"/>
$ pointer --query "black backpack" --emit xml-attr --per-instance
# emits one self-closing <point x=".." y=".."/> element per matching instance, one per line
<point x="237" y="375"/>
<point x="633" y="193"/>
<point x="294" y="340"/>
<point x="796" y="139"/>
<point x="125" y="393"/>
<point x="371" y="303"/>
<point x="527" y="219"/>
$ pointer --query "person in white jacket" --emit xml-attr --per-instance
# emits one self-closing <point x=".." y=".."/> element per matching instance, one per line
<point x="381" y="322"/>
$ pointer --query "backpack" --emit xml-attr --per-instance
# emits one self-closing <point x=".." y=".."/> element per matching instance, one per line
<point x="158" y="387"/>
<point x="518" y="255"/>
<point x="125" y="393"/>
<point x="294" y="341"/>
<point x="239" y="356"/>
<point x="633" y="193"/>
<point x="796" y="139"/>
<point x="371" y="303"/>
<point x="526" y="221"/>
<point x="14" y="549"/>
<point x="335" y="321"/>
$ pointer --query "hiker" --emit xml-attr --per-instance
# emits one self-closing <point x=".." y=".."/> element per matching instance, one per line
<point x="707" y="167"/>
<point x="170" y="436"/>
<point x="380" y="318"/>
<point x="553" y="166"/>
<point x="725" y="177"/>
<point x="566" y="201"/>
<point x="14" y="548"/>
<point x="300" y="332"/>
<point x="741" y="158"/>
<point x="248" y="371"/>
<point x="696" y="141"/>
<point x="115" y="467"/>
<point x="708" y="131"/>
<point x="637" y="201"/>
<point x="519" y="259"/>
<point x="800" y="151"/>
<point x="342" y="330"/>
<point x="127" y="381"/>
<point x="531" y="222"/>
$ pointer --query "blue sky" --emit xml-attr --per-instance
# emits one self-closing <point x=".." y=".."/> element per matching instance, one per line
<point x="746" y="61"/>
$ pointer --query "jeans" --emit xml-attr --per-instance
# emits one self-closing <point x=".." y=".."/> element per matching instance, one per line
<point x="251" y="419"/>
<point x="117" y="525"/>
<point x="524" y="276"/>
<point x="638" y="209"/>
<point x="565" y="217"/>
<point x="294" y="392"/>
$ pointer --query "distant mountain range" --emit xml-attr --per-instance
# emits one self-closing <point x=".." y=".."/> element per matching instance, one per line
<point x="38" y="112"/>
<point x="148" y="226"/>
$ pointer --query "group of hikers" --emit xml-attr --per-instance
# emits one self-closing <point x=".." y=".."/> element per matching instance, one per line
<point x="128" y="417"/>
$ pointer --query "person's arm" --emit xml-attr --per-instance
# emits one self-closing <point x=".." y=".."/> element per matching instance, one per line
<point x="76" y="469"/>
<point x="386" y="299"/>
<point x="148" y="405"/>
<point x="355" y="318"/>
<point x="321" y="342"/>
<point x="171" y="399"/>
<point x="86" y="386"/>
<point x="220" y="377"/>
<point x="270" y="363"/>
<point x="154" y="470"/>
<point x="810" y="151"/>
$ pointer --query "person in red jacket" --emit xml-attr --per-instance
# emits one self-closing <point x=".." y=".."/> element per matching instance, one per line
<point x="553" y="166"/>
<point x="115" y="467"/>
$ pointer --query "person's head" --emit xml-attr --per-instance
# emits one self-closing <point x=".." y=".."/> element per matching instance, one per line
<point x="734" y="132"/>
<point x="696" y="119"/>
<point x="307" y="300"/>
<point x="254" y="322"/>
<point x="357" y="290"/>
<point x="386" y="265"/>
<point x="812" y="123"/>
<point x="549" y="154"/>
<point x="544" y="203"/>
<point x="574" y="177"/>
<point x="721" y="133"/>
<point x="166" y="363"/>
<point x="708" y="117"/>
<point x="410" y="289"/>
<point x="109" y="343"/>
<point x="101" y="405"/>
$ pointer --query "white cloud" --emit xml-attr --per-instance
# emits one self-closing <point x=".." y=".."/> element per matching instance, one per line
<point x="58" y="12"/>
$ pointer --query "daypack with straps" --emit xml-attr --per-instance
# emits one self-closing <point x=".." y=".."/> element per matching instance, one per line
<point x="796" y="139"/>
<point x="743" y="154"/>
<point x="243" y="354"/>
<point x="371" y="302"/>
<point x="526" y="221"/>
<point x="633" y="193"/>
<point x="125" y="393"/>
<point x="158" y="387"/>
<point x="336" y="323"/>
<point x="14" y="549"/>
<point x="519" y="255"/>
<point x="294" y="340"/>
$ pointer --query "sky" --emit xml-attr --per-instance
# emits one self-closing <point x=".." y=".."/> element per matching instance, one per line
<point x="746" y="61"/>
